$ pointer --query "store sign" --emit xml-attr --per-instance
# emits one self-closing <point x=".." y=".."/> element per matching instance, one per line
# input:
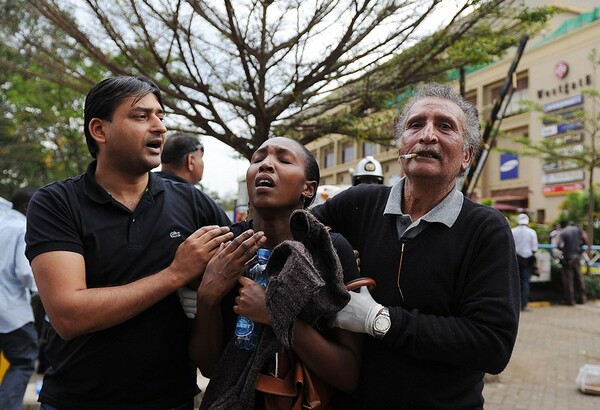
<point x="564" y="116"/>
<point x="568" y="139"/>
<point x="560" y="165"/>
<point x="561" y="177"/>
<point x="564" y="103"/>
<point x="560" y="128"/>
<point x="570" y="150"/>
<point x="509" y="166"/>
<point x="564" y="164"/>
<point x="566" y="87"/>
<point x="563" y="189"/>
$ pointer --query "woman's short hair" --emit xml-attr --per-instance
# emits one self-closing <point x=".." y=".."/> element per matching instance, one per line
<point x="312" y="171"/>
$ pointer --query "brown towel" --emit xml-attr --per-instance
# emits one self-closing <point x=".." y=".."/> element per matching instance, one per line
<point x="307" y="268"/>
<point x="305" y="281"/>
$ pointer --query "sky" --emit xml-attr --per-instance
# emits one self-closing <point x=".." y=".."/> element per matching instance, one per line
<point x="222" y="167"/>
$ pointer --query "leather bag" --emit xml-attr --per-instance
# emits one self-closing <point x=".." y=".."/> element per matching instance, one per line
<point x="301" y="389"/>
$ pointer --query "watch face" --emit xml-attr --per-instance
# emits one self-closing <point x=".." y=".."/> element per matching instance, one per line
<point x="382" y="323"/>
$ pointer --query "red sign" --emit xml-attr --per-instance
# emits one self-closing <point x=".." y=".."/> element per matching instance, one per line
<point x="563" y="189"/>
<point x="561" y="69"/>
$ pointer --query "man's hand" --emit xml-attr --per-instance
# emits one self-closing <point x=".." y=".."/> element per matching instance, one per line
<point x="359" y="314"/>
<point x="193" y="254"/>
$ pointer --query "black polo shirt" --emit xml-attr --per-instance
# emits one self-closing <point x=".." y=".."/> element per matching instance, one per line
<point x="142" y="363"/>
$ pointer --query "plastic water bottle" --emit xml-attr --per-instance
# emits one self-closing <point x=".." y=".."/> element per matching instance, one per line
<point x="38" y="386"/>
<point x="246" y="331"/>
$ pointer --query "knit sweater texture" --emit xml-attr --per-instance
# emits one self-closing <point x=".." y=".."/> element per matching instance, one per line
<point x="460" y="308"/>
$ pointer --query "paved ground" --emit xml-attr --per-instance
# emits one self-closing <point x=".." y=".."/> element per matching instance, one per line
<point x="553" y="343"/>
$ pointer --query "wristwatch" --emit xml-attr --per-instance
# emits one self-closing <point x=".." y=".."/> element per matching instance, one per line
<point x="382" y="323"/>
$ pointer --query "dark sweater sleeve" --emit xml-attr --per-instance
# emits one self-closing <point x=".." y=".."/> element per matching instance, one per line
<point x="346" y="255"/>
<point x="213" y="213"/>
<point x="337" y="212"/>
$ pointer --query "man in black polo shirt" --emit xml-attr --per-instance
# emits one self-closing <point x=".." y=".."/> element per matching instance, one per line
<point x="108" y="250"/>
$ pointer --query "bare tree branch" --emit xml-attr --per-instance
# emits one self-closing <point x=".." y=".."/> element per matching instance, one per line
<point x="240" y="71"/>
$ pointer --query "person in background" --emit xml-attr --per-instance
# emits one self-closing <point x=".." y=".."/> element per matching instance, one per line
<point x="570" y="242"/>
<point x="553" y="235"/>
<point x="368" y="171"/>
<point x="182" y="158"/>
<point x="446" y="307"/>
<point x="108" y="249"/>
<point x="18" y="338"/>
<point x="282" y="178"/>
<point x="553" y="240"/>
<point x="526" y="244"/>
<point x="21" y="197"/>
<point x="20" y="200"/>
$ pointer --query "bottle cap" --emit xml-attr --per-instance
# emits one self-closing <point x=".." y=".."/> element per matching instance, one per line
<point x="263" y="253"/>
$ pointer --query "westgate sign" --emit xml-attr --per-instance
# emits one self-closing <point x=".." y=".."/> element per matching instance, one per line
<point x="566" y="87"/>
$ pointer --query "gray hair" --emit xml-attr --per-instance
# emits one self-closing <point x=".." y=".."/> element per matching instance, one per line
<point x="472" y="137"/>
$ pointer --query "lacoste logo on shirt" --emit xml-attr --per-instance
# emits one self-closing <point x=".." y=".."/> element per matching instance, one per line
<point x="175" y="234"/>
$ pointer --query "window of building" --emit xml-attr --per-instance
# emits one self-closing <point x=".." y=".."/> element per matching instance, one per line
<point x="326" y="181"/>
<point x="540" y="215"/>
<point x="472" y="97"/>
<point x="347" y="151"/>
<point x="343" y="179"/>
<point x="514" y="105"/>
<point x="369" y="148"/>
<point x="327" y="156"/>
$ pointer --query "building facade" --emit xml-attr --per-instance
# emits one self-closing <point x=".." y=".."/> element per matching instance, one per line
<point x="552" y="72"/>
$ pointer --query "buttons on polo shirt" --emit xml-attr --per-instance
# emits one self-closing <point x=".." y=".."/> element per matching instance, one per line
<point x="134" y="238"/>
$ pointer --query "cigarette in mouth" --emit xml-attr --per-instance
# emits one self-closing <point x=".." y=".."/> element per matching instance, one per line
<point x="407" y="156"/>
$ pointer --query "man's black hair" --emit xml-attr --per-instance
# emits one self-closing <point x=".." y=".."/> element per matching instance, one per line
<point x="177" y="146"/>
<point x="20" y="198"/>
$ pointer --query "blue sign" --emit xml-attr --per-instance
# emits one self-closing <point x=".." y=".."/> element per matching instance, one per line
<point x="569" y="127"/>
<point x="564" y="103"/>
<point x="509" y="166"/>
